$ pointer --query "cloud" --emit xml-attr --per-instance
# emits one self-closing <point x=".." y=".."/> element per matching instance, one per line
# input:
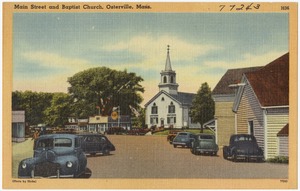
<point x="154" y="50"/>
<point x="246" y="60"/>
<point x="52" y="60"/>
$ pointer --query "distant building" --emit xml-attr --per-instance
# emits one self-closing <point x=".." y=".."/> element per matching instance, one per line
<point x="123" y="121"/>
<point x="98" y="124"/>
<point x="18" y="126"/>
<point x="169" y="108"/>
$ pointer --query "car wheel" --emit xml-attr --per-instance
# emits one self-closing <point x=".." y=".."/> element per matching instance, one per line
<point x="225" y="155"/>
<point x="174" y="146"/>
<point x="93" y="154"/>
<point x="105" y="151"/>
<point x="234" y="158"/>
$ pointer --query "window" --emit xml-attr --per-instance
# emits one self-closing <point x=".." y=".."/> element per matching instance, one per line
<point x="154" y="120"/>
<point x="171" y="108"/>
<point x="165" y="79"/>
<point x="251" y="127"/>
<point x="171" y="120"/>
<point x="162" y="99"/>
<point x="172" y="79"/>
<point x="77" y="142"/>
<point x="62" y="142"/>
<point x="154" y="109"/>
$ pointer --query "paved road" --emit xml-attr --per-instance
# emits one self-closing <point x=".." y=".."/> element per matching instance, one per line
<point x="154" y="157"/>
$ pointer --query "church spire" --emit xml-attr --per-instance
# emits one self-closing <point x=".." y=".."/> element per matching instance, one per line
<point x="168" y="66"/>
<point x="168" y="77"/>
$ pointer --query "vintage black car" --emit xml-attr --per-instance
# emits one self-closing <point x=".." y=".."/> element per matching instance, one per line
<point x="96" y="143"/>
<point x="204" y="144"/>
<point x="55" y="155"/>
<point x="243" y="147"/>
<point x="183" y="139"/>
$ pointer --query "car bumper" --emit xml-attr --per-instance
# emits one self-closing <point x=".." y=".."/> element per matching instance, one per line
<point x="180" y="143"/>
<point x="206" y="150"/>
<point x="249" y="157"/>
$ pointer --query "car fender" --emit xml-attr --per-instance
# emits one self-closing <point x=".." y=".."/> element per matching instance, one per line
<point x="30" y="162"/>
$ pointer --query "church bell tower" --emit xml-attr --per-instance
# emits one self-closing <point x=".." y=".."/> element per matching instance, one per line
<point x="168" y="77"/>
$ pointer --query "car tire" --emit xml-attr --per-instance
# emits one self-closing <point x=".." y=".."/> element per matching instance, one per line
<point x="93" y="154"/>
<point x="174" y="146"/>
<point x="225" y="155"/>
<point x="234" y="158"/>
<point x="106" y="151"/>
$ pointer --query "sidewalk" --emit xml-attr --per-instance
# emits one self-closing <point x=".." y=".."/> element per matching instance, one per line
<point x="20" y="151"/>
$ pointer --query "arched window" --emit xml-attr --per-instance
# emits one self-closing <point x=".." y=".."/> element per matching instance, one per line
<point x="154" y="109"/>
<point x="165" y="79"/>
<point x="171" y="108"/>
<point x="172" y="79"/>
<point x="162" y="99"/>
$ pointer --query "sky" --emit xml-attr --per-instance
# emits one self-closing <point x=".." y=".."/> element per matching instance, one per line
<point x="50" y="47"/>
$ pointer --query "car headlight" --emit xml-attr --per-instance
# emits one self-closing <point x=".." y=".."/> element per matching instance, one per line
<point x="69" y="164"/>
<point x="24" y="165"/>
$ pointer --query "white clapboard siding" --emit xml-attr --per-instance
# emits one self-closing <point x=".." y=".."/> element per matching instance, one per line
<point x="283" y="142"/>
<point x="250" y="110"/>
<point x="275" y="122"/>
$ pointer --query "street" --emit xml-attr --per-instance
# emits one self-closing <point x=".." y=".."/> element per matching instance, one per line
<point x="154" y="157"/>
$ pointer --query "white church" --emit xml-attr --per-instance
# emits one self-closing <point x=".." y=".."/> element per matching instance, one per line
<point x="169" y="108"/>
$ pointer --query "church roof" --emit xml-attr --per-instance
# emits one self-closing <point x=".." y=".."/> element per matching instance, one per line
<point x="182" y="98"/>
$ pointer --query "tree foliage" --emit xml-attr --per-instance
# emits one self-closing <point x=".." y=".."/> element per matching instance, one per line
<point x="60" y="109"/>
<point x="98" y="90"/>
<point x="33" y="103"/>
<point x="203" y="106"/>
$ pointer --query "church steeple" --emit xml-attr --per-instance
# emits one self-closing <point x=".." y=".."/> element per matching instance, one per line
<point x="168" y="66"/>
<point x="168" y="77"/>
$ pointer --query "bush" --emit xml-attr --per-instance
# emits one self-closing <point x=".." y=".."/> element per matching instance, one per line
<point x="279" y="159"/>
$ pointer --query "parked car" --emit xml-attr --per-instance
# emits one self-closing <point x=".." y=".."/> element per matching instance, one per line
<point x="183" y="139"/>
<point x="172" y="134"/>
<point x="96" y="143"/>
<point x="55" y="155"/>
<point x="204" y="143"/>
<point x="243" y="146"/>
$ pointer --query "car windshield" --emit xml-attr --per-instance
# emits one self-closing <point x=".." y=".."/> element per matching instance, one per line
<point x="57" y="142"/>
<point x="206" y="137"/>
<point x="243" y="138"/>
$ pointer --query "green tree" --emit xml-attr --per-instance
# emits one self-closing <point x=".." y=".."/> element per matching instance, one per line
<point x="60" y="109"/>
<point x="33" y="103"/>
<point x="139" y="121"/>
<point x="98" y="90"/>
<point x="203" y="106"/>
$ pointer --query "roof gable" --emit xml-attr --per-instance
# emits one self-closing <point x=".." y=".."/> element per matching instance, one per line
<point x="271" y="83"/>
<point x="232" y="76"/>
<point x="181" y="98"/>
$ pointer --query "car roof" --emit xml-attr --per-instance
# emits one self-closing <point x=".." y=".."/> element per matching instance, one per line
<point x="57" y="136"/>
<point x="89" y="134"/>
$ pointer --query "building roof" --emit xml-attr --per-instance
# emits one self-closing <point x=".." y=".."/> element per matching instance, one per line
<point x="184" y="98"/>
<point x="271" y="83"/>
<point x="284" y="131"/>
<point x="232" y="76"/>
<point x="181" y="97"/>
